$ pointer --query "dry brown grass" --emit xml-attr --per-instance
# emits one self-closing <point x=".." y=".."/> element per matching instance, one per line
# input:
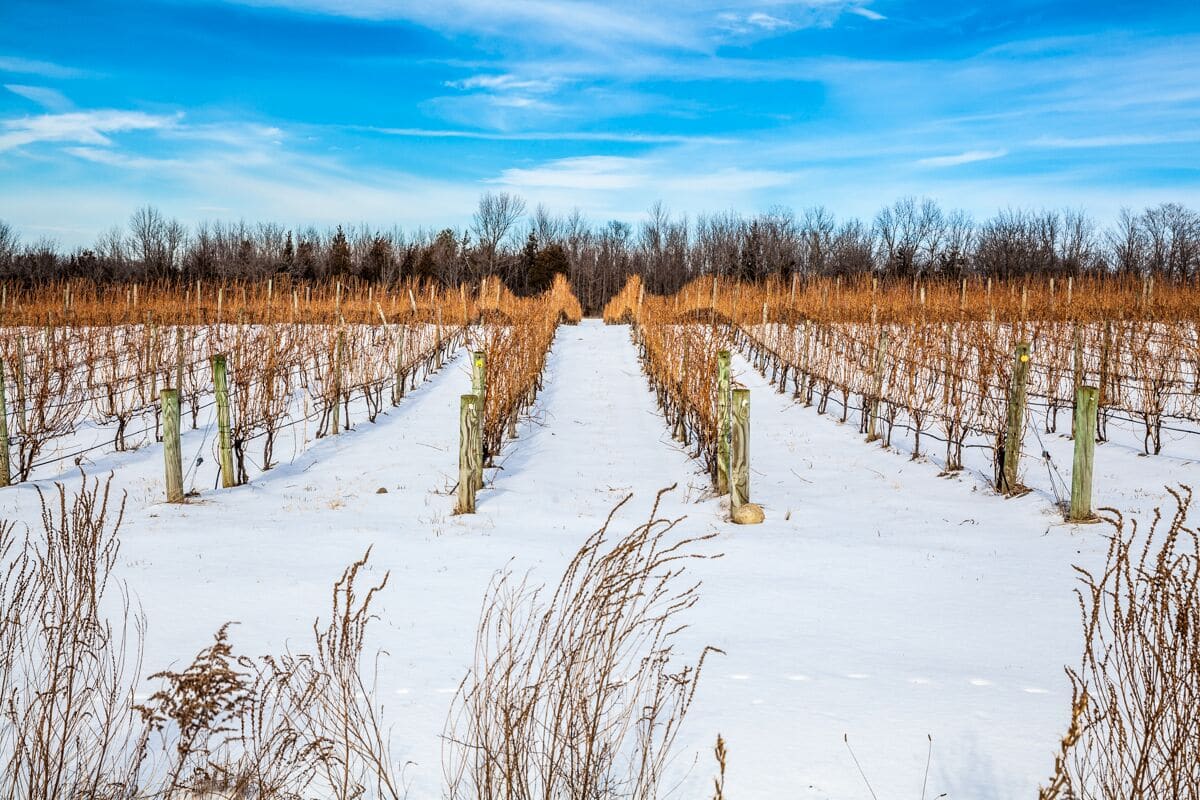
<point x="274" y="727"/>
<point x="1135" y="730"/>
<point x="579" y="694"/>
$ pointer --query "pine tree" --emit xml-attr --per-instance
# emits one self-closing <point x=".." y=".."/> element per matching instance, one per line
<point x="339" y="254"/>
<point x="288" y="257"/>
<point x="550" y="261"/>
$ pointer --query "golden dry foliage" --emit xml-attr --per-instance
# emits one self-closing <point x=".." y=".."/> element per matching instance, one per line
<point x="79" y="353"/>
<point x="516" y="334"/>
<point x="81" y="302"/>
<point x="931" y="358"/>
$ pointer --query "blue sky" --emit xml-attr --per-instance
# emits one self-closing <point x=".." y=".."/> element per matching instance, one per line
<point x="325" y="111"/>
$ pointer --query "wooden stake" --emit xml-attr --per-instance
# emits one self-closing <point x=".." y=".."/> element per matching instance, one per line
<point x="723" y="421"/>
<point x="1106" y="341"/>
<point x="224" y="442"/>
<point x="739" y="449"/>
<point x="479" y="388"/>
<point x="881" y="344"/>
<point x="469" y="465"/>
<point x="179" y="358"/>
<point x="1015" y="423"/>
<point x="5" y="465"/>
<point x="1077" y="377"/>
<point x="172" y="457"/>
<point x="338" y="355"/>
<point x="22" y="421"/>
<point x="398" y="386"/>
<point x="1085" y="449"/>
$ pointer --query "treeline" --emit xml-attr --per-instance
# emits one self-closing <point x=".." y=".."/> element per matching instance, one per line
<point x="909" y="238"/>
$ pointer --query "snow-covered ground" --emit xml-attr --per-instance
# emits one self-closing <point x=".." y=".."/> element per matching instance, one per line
<point x="877" y="601"/>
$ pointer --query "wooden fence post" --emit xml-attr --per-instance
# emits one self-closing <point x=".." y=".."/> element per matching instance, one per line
<point x="1015" y="423"/>
<point x="479" y="389"/>
<point x="179" y="360"/>
<point x="723" y="423"/>
<point x="339" y="348"/>
<point x="440" y="352"/>
<point x="881" y="344"/>
<point x="172" y="456"/>
<point x="469" y="466"/>
<point x="224" y="445"/>
<point x="19" y="376"/>
<point x="1102" y="400"/>
<point x="1077" y="371"/>
<point x="398" y="386"/>
<point x="742" y="510"/>
<point x="5" y="465"/>
<point x="1085" y="449"/>
<point x="739" y="448"/>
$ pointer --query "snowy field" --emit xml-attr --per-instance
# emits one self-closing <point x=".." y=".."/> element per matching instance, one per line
<point x="878" y="601"/>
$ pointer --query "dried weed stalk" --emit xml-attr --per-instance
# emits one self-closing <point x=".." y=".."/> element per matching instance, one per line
<point x="579" y="694"/>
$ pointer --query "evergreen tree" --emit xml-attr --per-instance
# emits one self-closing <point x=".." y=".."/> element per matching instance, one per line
<point x="287" y="258"/>
<point x="339" y="254"/>
<point x="526" y="265"/>
<point x="550" y="261"/>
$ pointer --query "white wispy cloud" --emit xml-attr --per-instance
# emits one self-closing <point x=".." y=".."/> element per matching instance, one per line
<point x="583" y="24"/>
<point x="552" y="136"/>
<point x="505" y="83"/>
<point x="754" y="22"/>
<point x="625" y="182"/>
<point x="863" y="11"/>
<point x="968" y="157"/>
<point x="42" y="95"/>
<point x="29" y="66"/>
<point x="81" y="127"/>
<point x="116" y="158"/>
<point x="613" y="29"/>
<point x="585" y="173"/>
<point x="1115" y="140"/>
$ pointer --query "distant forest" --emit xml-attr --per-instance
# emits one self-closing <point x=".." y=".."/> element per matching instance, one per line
<point x="909" y="238"/>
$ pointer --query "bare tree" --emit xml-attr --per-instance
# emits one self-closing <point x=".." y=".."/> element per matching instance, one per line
<point x="1127" y="243"/>
<point x="9" y="242"/>
<point x="493" y="220"/>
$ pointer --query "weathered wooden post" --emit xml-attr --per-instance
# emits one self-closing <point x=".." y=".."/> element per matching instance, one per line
<point x="881" y="344"/>
<point x="440" y="352"/>
<point x="179" y="358"/>
<point x="1015" y="423"/>
<point x="1077" y="374"/>
<point x="469" y="465"/>
<point x="1106" y="342"/>
<point x="1085" y="449"/>
<point x="5" y="465"/>
<point x="224" y="444"/>
<point x="19" y="377"/>
<point x="739" y="448"/>
<point x="398" y="385"/>
<point x="339" y="350"/>
<point x="723" y="423"/>
<point x="479" y="388"/>
<point x="172" y="456"/>
<point x="742" y="510"/>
